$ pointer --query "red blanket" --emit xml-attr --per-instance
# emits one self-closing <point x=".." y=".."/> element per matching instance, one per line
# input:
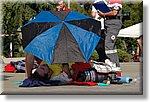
<point x="83" y="83"/>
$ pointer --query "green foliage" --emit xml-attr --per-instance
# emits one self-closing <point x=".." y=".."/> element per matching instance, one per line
<point x="124" y="56"/>
<point x="120" y="43"/>
<point x="16" y="14"/>
<point x="126" y="44"/>
<point x="20" y="54"/>
<point x="95" y="56"/>
<point x="136" y="13"/>
<point x="76" y="7"/>
<point x="136" y="16"/>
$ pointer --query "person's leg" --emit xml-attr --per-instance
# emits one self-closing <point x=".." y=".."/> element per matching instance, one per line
<point x="140" y="43"/>
<point x="29" y="64"/>
<point x="139" y="53"/>
<point x="100" y="48"/>
<point x="138" y="50"/>
<point x="113" y="27"/>
<point x="114" y="58"/>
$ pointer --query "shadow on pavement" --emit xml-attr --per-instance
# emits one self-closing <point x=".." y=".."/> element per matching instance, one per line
<point x="5" y="77"/>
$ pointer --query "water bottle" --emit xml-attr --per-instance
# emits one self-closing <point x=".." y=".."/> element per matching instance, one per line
<point x="124" y="79"/>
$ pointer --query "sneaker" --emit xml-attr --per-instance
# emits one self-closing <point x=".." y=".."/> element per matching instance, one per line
<point x="108" y="62"/>
<point x="112" y="65"/>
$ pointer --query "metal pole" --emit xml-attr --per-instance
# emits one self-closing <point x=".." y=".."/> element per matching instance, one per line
<point x="68" y="3"/>
<point x="10" y="52"/>
<point x="13" y="45"/>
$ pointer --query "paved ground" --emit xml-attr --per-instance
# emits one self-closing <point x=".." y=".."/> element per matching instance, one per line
<point x="133" y="70"/>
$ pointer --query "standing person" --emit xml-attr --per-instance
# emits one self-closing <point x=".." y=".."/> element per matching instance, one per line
<point x="139" y="52"/>
<point x="30" y="58"/>
<point x="61" y="6"/>
<point x="113" y="24"/>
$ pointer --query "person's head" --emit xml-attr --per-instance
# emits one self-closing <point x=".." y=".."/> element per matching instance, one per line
<point x="60" y="5"/>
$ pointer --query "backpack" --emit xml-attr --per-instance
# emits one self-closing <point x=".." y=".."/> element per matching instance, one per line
<point x="10" y="68"/>
<point x="91" y="75"/>
<point x="79" y="66"/>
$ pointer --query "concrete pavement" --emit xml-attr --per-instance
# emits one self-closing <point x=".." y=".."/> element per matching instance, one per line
<point x="134" y="70"/>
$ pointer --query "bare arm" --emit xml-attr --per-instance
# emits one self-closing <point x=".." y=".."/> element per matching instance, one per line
<point x="93" y="14"/>
<point x="29" y="64"/>
<point x="111" y="13"/>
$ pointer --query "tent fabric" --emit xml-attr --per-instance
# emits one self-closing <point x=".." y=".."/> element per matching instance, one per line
<point x="134" y="31"/>
<point x="50" y="36"/>
<point x="82" y="39"/>
<point x="67" y="45"/>
<point x="63" y="37"/>
<point x="37" y="29"/>
<point x="75" y="16"/>
<point x="88" y="24"/>
<point x="61" y="15"/>
<point x="44" y="16"/>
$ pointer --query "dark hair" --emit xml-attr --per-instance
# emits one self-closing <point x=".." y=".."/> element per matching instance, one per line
<point x="65" y="64"/>
<point x="59" y="9"/>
